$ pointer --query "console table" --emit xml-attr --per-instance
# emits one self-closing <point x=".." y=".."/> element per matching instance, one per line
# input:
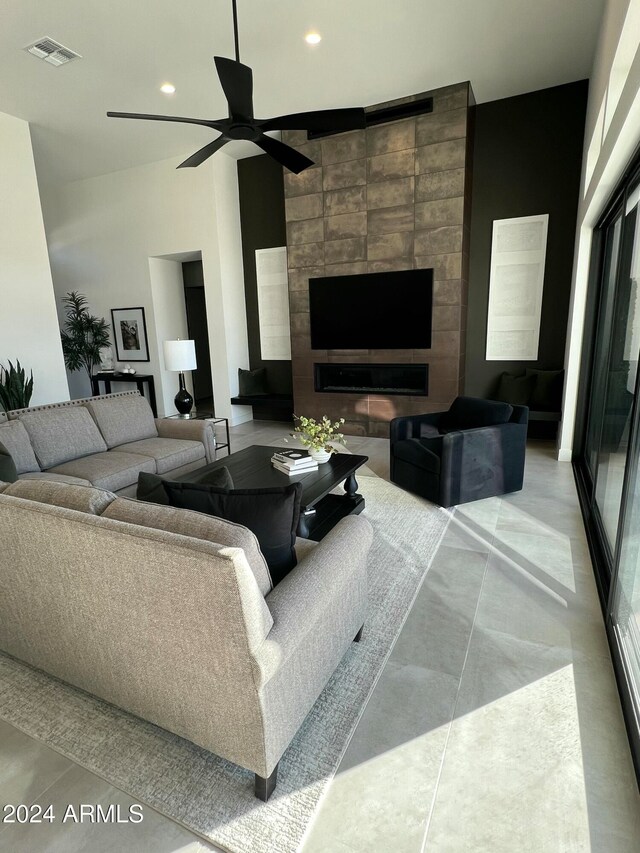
<point x="138" y="378"/>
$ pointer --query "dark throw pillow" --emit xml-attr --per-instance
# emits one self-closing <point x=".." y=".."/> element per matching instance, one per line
<point x="220" y="478"/>
<point x="547" y="389"/>
<point x="272" y="514"/>
<point x="8" y="473"/>
<point x="516" y="390"/>
<point x="151" y="486"/>
<point x="252" y="383"/>
<point x="471" y="412"/>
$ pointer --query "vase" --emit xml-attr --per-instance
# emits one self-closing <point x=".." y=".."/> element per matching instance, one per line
<point x="319" y="456"/>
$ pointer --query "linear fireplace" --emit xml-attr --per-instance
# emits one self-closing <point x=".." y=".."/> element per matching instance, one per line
<point x="397" y="379"/>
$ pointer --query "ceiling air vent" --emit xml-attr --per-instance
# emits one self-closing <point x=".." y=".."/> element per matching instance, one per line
<point x="52" y="52"/>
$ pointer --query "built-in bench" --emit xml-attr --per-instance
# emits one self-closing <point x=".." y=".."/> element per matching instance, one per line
<point x="543" y="424"/>
<point x="541" y="391"/>
<point x="267" y="407"/>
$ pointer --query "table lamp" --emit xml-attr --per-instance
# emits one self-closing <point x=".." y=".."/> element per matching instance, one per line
<point x="180" y="356"/>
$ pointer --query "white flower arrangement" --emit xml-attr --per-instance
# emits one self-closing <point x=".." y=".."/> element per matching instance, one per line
<point x="316" y="435"/>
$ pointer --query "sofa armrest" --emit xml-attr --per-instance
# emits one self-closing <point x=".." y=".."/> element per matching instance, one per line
<point x="520" y="415"/>
<point x="481" y="462"/>
<point x="409" y="427"/>
<point x="190" y="430"/>
<point x="322" y="598"/>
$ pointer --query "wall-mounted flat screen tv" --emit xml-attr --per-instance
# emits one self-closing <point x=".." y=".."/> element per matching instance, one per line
<point x="388" y="310"/>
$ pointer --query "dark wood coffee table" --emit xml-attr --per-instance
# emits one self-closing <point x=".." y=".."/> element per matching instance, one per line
<point x="320" y="511"/>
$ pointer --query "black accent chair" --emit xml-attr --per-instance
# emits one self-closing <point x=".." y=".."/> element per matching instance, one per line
<point x="475" y="450"/>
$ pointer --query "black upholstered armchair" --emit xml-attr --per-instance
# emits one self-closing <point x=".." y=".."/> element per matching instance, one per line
<point x="475" y="450"/>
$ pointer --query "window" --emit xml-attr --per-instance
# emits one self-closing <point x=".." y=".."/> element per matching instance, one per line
<point x="608" y="468"/>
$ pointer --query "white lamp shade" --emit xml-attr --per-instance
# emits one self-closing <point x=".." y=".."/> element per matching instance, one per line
<point x="180" y="355"/>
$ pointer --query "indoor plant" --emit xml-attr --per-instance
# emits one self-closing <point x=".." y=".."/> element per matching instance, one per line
<point x="83" y="335"/>
<point x="316" y="435"/>
<point x="15" y="388"/>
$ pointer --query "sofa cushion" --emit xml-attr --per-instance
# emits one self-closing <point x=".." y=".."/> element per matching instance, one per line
<point x="471" y="413"/>
<point x="123" y="419"/>
<point x="424" y="453"/>
<point x="169" y="453"/>
<point x="199" y="526"/>
<point x="111" y="470"/>
<point x="3" y="486"/>
<point x="81" y="498"/>
<point x="59" y="435"/>
<point x="15" y="438"/>
<point x="8" y="471"/>
<point x="151" y="486"/>
<point x="272" y="514"/>
<point x="55" y="478"/>
<point x="304" y="547"/>
<point x="516" y="390"/>
<point x="547" y="389"/>
<point x="429" y="431"/>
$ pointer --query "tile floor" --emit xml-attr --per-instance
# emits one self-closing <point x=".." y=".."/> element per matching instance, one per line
<point x="495" y="726"/>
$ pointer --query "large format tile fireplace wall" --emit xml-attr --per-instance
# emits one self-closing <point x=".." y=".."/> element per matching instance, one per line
<point x="392" y="197"/>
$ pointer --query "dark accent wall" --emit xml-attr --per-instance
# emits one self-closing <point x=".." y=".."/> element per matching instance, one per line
<point x="527" y="160"/>
<point x="262" y="219"/>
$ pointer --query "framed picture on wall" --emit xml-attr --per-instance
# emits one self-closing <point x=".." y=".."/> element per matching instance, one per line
<point x="130" y="334"/>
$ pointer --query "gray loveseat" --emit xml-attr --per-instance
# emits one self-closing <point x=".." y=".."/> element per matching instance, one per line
<point x="200" y="644"/>
<point x="104" y="441"/>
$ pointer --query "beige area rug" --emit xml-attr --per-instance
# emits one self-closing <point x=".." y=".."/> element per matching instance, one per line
<point x="206" y="794"/>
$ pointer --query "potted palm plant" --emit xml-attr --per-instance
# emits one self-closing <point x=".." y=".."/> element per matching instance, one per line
<point x="84" y="336"/>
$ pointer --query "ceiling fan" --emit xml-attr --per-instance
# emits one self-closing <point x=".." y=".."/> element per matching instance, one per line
<point x="237" y="83"/>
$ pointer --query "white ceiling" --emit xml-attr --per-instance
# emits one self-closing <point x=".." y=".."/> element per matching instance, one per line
<point x="370" y="52"/>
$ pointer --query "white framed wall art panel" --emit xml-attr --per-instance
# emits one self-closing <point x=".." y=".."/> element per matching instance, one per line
<point x="273" y="304"/>
<point x="518" y="252"/>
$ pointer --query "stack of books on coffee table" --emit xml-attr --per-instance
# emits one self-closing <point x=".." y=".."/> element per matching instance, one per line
<point x="293" y="462"/>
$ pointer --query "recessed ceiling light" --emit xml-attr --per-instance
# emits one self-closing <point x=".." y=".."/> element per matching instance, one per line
<point x="313" y="38"/>
<point x="168" y="88"/>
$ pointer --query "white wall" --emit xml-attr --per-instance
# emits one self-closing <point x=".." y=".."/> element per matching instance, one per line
<point x="611" y="137"/>
<point x="29" y="328"/>
<point x="232" y="274"/>
<point x="103" y="231"/>
<point x="169" y="319"/>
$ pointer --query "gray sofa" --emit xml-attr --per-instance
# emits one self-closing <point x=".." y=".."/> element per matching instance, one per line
<point x="104" y="441"/>
<point x="200" y="644"/>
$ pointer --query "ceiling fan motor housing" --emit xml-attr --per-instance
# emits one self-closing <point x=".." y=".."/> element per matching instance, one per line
<point x="240" y="130"/>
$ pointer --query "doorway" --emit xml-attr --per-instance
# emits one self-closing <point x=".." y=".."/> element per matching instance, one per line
<point x="196" y="310"/>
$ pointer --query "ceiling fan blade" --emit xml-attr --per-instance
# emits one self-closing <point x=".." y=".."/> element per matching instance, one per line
<point x="352" y="118"/>
<point x="203" y="121"/>
<point x="204" y="153"/>
<point x="288" y="157"/>
<point x="236" y="80"/>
